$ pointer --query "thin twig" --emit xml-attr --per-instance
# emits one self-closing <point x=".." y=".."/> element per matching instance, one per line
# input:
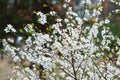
<point x="98" y="69"/>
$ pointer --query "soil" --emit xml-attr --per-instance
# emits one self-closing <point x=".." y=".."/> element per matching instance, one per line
<point x="6" y="68"/>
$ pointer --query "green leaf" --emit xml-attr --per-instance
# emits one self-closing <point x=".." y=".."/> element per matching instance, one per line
<point x="49" y="28"/>
<point x="21" y="30"/>
<point x="47" y="14"/>
<point x="45" y="5"/>
<point x="53" y="69"/>
<point x="116" y="55"/>
<point x="34" y="12"/>
<point x="106" y="50"/>
<point x="118" y="10"/>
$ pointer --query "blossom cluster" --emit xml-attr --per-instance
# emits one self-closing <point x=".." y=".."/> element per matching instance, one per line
<point x="41" y="18"/>
<point x="9" y="28"/>
<point x="73" y="51"/>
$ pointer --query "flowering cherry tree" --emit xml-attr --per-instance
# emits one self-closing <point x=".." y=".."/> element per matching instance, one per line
<point x="73" y="50"/>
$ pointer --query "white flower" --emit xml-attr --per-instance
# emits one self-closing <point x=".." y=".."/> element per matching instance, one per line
<point x="94" y="31"/>
<point x="59" y="20"/>
<point x="67" y="1"/>
<point x="26" y="78"/>
<point x="117" y="10"/>
<point x="88" y="1"/>
<point x="53" y="13"/>
<point x="107" y="21"/>
<point x="83" y="2"/>
<point x="27" y="69"/>
<point x="87" y="12"/>
<point x="46" y="37"/>
<point x="96" y="12"/>
<point x="62" y="74"/>
<point x="100" y="9"/>
<point x="70" y="9"/>
<point x="109" y="76"/>
<point x="79" y="20"/>
<point x="16" y="58"/>
<point x="90" y="73"/>
<point x="110" y="67"/>
<point x="65" y="5"/>
<point x="39" y="13"/>
<point x="42" y="18"/>
<point x="66" y="20"/>
<point x="9" y="28"/>
<point x="69" y="78"/>
<point x="29" y="28"/>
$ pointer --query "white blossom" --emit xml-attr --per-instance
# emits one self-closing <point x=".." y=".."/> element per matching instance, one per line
<point x="9" y="28"/>
<point x="67" y="1"/>
<point x="16" y="58"/>
<point x="53" y="13"/>
<point x="73" y="50"/>
<point x="42" y="18"/>
<point x="107" y="21"/>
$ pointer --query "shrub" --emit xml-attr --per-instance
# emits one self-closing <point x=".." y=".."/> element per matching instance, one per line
<point x="73" y="50"/>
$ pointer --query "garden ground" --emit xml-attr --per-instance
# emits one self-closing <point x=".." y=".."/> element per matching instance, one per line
<point x="5" y="68"/>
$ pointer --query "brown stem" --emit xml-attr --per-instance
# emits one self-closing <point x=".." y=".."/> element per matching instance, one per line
<point x="67" y="72"/>
<point x="98" y="69"/>
<point x="73" y="66"/>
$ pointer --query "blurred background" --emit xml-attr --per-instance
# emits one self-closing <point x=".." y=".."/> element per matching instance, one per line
<point x="20" y="12"/>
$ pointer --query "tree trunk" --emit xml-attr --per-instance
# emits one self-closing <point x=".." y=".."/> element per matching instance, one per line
<point x="105" y="8"/>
